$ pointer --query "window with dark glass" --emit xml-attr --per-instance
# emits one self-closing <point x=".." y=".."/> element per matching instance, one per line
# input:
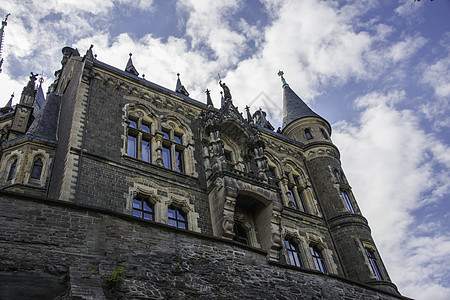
<point x="37" y="169"/>
<point x="177" y="217"/>
<point x="12" y="170"/>
<point x="319" y="261"/>
<point x="172" y="150"/>
<point x="291" y="194"/>
<point x="348" y="202"/>
<point x="240" y="233"/>
<point x="373" y="262"/>
<point x="143" y="208"/>
<point x="139" y="139"/>
<point x="293" y="253"/>
<point x="308" y="134"/>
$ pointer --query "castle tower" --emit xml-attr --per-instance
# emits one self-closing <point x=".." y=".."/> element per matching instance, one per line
<point x="348" y="228"/>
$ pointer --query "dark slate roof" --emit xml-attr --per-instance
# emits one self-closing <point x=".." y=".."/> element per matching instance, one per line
<point x="45" y="123"/>
<point x="40" y="98"/>
<point x="294" y="108"/>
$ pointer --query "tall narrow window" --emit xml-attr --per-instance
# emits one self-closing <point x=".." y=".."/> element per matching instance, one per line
<point x="37" y="169"/>
<point x="373" y="262"/>
<point x="308" y="134"/>
<point x="240" y="234"/>
<point x="143" y="209"/>
<point x="172" y="150"/>
<point x="166" y="157"/>
<point x="318" y="259"/>
<point x="12" y="170"/>
<point x="293" y="253"/>
<point x="139" y="139"/>
<point x="324" y="133"/>
<point x="345" y="194"/>
<point x="291" y="194"/>
<point x="177" y="217"/>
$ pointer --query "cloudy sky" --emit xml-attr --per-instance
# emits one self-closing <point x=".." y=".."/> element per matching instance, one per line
<point x="377" y="70"/>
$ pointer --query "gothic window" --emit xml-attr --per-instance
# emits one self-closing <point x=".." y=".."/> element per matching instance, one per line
<point x="139" y="139"/>
<point x="177" y="217"/>
<point x="348" y="202"/>
<point x="324" y="133"/>
<point x="173" y="150"/>
<point x="12" y="170"/>
<point x="308" y="134"/>
<point x="240" y="233"/>
<point x="37" y="169"/>
<point x="373" y="263"/>
<point x="143" y="208"/>
<point x="296" y="194"/>
<point x="319" y="261"/>
<point x="293" y="253"/>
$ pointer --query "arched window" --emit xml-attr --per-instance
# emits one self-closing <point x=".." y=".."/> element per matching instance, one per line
<point x="293" y="253"/>
<point x="37" y="169"/>
<point x="348" y="202"/>
<point x="12" y="170"/>
<point x="308" y="134"/>
<point x="177" y="217"/>
<point x="318" y="259"/>
<point x="240" y="233"/>
<point x="143" y="208"/>
<point x="139" y="139"/>
<point x="172" y="150"/>
<point x="374" y="263"/>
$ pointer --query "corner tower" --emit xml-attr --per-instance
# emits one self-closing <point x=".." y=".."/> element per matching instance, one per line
<point x="348" y="228"/>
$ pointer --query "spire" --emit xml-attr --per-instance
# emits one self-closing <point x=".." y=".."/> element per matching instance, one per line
<point x="2" y="30"/>
<point x="249" y="115"/>
<point x="209" y="102"/>
<point x="180" y="88"/>
<point x="293" y="106"/>
<point x="130" y="68"/>
<point x="8" y="106"/>
<point x="29" y="92"/>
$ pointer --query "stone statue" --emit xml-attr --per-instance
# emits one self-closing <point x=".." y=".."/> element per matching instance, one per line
<point x="226" y="90"/>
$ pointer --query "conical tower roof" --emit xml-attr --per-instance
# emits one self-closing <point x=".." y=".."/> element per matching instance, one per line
<point x="294" y="107"/>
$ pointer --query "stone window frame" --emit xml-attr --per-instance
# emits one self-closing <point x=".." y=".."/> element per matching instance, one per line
<point x="7" y="161"/>
<point x="296" y="235"/>
<point x="319" y="261"/>
<point x="324" y="133"/>
<point x="45" y="158"/>
<point x="235" y="150"/>
<point x="162" y="199"/>
<point x="184" y="204"/>
<point x="249" y="227"/>
<point x="312" y="237"/>
<point x="149" y="200"/>
<point x="293" y="241"/>
<point x="12" y="170"/>
<point x="308" y="133"/>
<point x="142" y="113"/>
<point x="173" y="131"/>
<point x="342" y="187"/>
<point x="295" y="179"/>
<point x="371" y="247"/>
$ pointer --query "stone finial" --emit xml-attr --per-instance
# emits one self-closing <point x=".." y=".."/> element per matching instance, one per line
<point x="130" y="67"/>
<point x="180" y="88"/>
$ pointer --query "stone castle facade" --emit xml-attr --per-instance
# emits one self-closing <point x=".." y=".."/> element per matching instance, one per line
<point x="113" y="174"/>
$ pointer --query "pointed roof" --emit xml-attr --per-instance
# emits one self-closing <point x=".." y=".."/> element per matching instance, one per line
<point x="293" y="106"/>
<point x="45" y="124"/>
<point x="180" y="88"/>
<point x="130" y="67"/>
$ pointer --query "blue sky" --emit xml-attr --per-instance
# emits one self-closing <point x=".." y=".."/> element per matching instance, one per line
<point x="377" y="70"/>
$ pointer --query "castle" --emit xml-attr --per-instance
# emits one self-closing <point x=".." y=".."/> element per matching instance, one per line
<point x="111" y="178"/>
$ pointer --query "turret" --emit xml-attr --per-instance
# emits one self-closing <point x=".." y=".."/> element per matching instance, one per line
<point x="299" y="121"/>
<point x="348" y="228"/>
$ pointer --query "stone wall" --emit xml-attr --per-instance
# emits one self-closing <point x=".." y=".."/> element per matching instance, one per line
<point x="78" y="245"/>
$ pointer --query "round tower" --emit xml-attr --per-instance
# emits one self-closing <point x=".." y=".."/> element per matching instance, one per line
<point x="348" y="228"/>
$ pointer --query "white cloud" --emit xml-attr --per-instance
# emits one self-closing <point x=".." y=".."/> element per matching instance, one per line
<point x="406" y="49"/>
<point x="393" y="164"/>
